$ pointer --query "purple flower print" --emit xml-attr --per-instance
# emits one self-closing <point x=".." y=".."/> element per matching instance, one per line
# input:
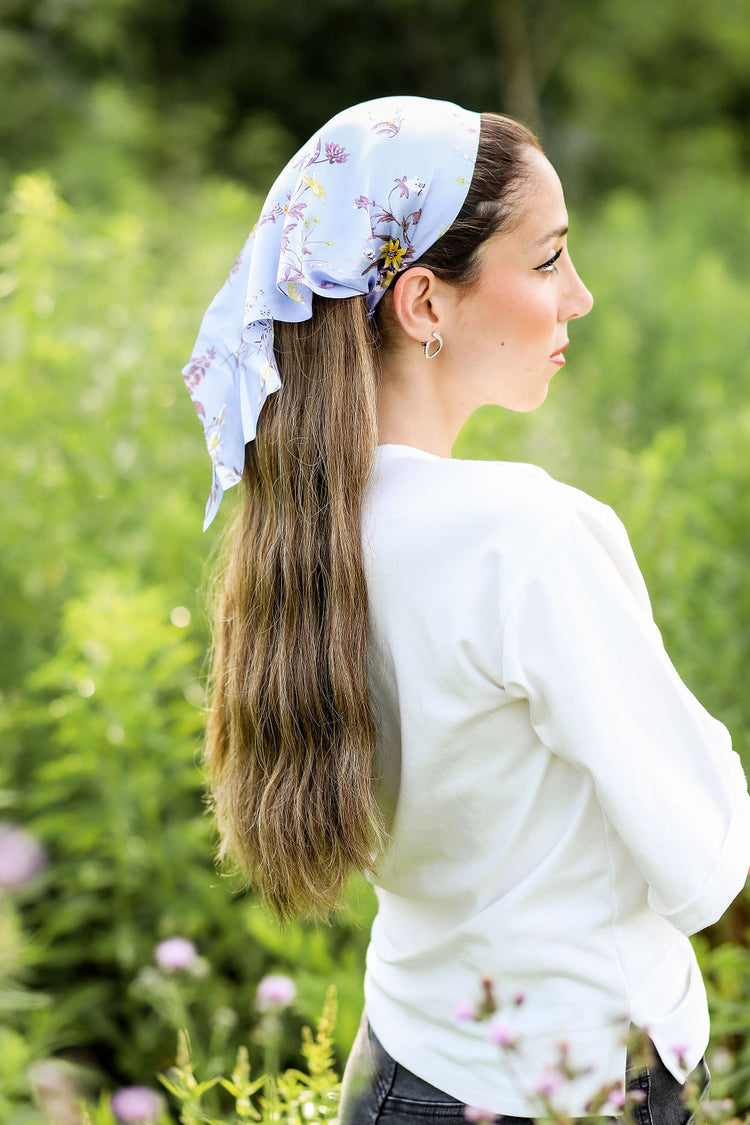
<point x="335" y="154"/>
<point x="362" y="203"/>
<point x="292" y="272"/>
<point x="404" y="193"/>
<point x="388" y="128"/>
<point x="294" y="210"/>
<point x="305" y="158"/>
<point x="272" y="214"/>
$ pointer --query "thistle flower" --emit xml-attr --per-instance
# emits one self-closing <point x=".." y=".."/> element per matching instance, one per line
<point x="136" y="1105"/>
<point x="21" y="857"/>
<point x="175" y="953"/>
<point x="275" y="991"/>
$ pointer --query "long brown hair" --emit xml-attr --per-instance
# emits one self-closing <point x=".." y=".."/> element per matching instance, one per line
<point x="291" y="734"/>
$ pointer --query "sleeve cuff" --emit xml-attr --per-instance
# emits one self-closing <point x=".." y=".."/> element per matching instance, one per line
<point x="725" y="881"/>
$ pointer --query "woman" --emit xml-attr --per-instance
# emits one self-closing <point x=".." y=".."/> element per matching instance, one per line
<point x="446" y="673"/>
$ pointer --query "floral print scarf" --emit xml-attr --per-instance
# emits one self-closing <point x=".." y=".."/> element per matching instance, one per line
<point x="366" y="196"/>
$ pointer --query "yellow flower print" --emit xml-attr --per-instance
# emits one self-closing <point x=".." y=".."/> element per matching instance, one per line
<point x="392" y="253"/>
<point x="314" y="185"/>
<point x="213" y="434"/>
<point x="266" y="373"/>
<point x="293" y="292"/>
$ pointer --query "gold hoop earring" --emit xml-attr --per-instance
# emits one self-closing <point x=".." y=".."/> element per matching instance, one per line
<point x="427" y="353"/>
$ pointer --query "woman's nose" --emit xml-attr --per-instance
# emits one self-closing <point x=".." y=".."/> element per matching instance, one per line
<point x="578" y="301"/>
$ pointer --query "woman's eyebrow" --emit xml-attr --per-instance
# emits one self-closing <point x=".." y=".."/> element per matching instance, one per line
<point x="558" y="232"/>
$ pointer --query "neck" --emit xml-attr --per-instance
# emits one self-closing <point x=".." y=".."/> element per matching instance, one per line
<point x="413" y="408"/>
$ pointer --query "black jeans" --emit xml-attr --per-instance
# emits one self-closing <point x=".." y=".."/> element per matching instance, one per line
<point x="378" y="1089"/>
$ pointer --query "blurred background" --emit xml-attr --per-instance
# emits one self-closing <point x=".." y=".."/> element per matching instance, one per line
<point x="137" y="139"/>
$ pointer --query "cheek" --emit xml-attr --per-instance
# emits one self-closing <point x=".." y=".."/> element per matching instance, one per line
<point x="513" y="319"/>
<point x="528" y="322"/>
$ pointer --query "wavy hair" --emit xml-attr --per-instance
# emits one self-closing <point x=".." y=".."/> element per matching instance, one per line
<point x="291" y="733"/>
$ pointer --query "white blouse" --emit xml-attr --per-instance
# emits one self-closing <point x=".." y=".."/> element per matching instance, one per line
<point x="563" y="811"/>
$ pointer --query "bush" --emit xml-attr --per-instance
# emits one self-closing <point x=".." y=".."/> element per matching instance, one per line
<point x="101" y="573"/>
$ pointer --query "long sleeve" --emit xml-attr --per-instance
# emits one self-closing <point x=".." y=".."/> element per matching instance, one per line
<point x="581" y="646"/>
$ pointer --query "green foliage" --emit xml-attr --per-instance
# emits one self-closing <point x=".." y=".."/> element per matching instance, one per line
<point x="634" y="93"/>
<point x="726" y="969"/>
<point x="19" y="1009"/>
<point x="291" y="1096"/>
<point x="105" y="270"/>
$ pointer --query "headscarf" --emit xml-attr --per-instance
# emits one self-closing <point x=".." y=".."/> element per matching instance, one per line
<point x="367" y="195"/>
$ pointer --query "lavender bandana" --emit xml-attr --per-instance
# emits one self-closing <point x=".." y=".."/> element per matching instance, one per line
<point x="368" y="194"/>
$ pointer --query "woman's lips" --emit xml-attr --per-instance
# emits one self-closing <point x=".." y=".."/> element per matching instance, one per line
<point x="558" y="357"/>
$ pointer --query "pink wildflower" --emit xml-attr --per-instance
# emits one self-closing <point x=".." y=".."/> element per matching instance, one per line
<point x="680" y="1053"/>
<point x="549" y="1082"/>
<point x="21" y="856"/>
<point x="136" y="1105"/>
<point x="275" y="991"/>
<point x="463" y="1011"/>
<point x="617" y="1099"/>
<point x="501" y="1032"/>
<point x="175" y="953"/>
<point x="479" y="1114"/>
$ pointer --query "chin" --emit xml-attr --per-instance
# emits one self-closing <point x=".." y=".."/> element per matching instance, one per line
<point x="527" y="405"/>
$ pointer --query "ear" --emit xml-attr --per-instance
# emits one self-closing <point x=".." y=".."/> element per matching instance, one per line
<point x="416" y="303"/>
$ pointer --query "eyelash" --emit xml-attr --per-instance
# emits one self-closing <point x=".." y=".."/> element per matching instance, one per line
<point x="549" y="267"/>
